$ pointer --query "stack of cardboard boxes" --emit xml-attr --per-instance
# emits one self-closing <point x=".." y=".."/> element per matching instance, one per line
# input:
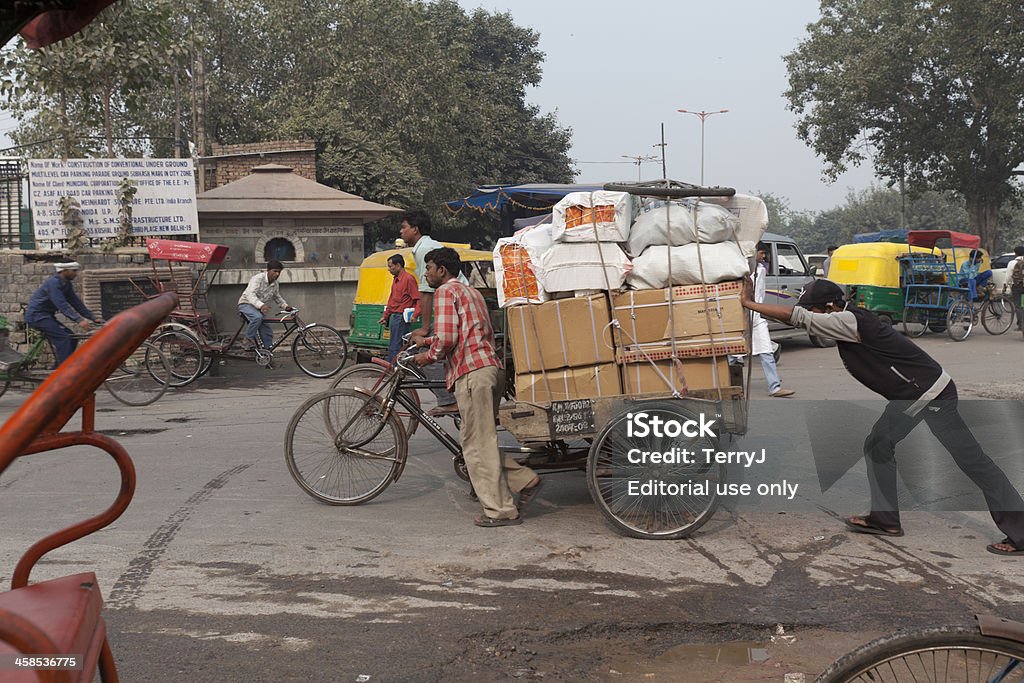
<point x="569" y="348"/>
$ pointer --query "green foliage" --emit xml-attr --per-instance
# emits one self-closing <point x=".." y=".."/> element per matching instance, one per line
<point x="71" y="216"/>
<point x="929" y="90"/>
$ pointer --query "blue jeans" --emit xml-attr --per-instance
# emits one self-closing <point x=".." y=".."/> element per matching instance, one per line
<point x="399" y="328"/>
<point x="256" y="324"/>
<point x="60" y="337"/>
<point x="771" y="374"/>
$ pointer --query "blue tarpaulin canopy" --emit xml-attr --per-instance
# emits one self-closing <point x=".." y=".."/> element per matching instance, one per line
<point x="895" y="235"/>
<point x="531" y="196"/>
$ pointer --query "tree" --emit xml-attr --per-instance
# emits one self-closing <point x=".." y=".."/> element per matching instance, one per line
<point x="931" y="90"/>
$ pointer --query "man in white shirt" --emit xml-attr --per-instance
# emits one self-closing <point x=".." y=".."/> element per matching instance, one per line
<point x="255" y="302"/>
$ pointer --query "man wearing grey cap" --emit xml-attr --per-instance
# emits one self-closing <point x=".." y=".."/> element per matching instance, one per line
<point x="57" y="294"/>
<point x="918" y="390"/>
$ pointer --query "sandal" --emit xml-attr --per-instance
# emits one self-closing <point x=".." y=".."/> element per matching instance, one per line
<point x="861" y="525"/>
<point x="485" y="521"/>
<point x="992" y="548"/>
<point x="528" y="494"/>
<point x="442" y="411"/>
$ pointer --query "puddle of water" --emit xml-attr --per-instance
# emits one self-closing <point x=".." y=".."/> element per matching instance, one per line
<point x="696" y="662"/>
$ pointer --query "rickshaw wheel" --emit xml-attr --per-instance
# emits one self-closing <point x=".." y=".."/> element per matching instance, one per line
<point x="339" y="452"/>
<point x="959" y="320"/>
<point x="686" y="495"/>
<point x="885" y="318"/>
<point x="915" y="321"/>
<point x="997" y="316"/>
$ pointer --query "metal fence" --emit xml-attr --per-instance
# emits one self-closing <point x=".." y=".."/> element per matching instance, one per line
<point x="12" y="177"/>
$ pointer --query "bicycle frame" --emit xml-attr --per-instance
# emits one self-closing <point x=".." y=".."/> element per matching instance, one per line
<point x="291" y="324"/>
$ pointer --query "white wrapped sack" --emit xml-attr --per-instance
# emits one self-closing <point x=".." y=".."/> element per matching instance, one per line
<point x="753" y="217"/>
<point x="570" y="266"/>
<point x="714" y="224"/>
<point x="722" y="261"/>
<point x="577" y="214"/>
<point x="517" y="266"/>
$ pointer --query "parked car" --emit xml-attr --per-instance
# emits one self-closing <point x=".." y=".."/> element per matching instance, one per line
<point x="788" y="274"/>
<point x="999" y="274"/>
<point x="817" y="262"/>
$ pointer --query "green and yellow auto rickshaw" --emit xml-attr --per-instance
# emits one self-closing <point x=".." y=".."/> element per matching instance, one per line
<point x="367" y="335"/>
<point x="871" y="273"/>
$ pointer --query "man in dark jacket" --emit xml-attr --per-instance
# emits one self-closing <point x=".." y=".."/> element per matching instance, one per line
<point x="918" y="390"/>
<point x="57" y="294"/>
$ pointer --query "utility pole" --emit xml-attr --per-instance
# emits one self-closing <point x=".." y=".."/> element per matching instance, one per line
<point x="663" y="145"/>
<point x="702" y="115"/>
<point x="639" y="160"/>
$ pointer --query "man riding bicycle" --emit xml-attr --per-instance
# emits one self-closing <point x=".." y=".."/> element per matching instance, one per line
<point x="57" y="294"/>
<point x="254" y="303"/>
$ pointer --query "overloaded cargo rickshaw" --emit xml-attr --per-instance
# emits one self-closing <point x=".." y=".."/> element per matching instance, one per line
<point x="622" y="315"/>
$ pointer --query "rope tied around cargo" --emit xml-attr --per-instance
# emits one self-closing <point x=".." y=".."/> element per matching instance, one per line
<point x="675" y="393"/>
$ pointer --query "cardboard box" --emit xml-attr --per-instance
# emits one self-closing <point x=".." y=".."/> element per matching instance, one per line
<point x="643" y="314"/>
<point x="558" y="334"/>
<point x="592" y="381"/>
<point x="697" y="347"/>
<point x="680" y="374"/>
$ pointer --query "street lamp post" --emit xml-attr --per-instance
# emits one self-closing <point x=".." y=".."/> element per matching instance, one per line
<point x="639" y="160"/>
<point x="702" y="115"/>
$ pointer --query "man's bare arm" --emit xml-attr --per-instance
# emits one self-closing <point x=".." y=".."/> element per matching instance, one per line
<point x="780" y="313"/>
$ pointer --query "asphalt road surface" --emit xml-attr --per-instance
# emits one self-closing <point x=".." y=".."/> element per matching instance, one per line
<point x="224" y="570"/>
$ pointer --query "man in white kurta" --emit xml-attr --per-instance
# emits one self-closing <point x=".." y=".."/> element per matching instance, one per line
<point x="761" y="343"/>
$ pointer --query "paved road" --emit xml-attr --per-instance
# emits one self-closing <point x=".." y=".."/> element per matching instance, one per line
<point x="222" y="569"/>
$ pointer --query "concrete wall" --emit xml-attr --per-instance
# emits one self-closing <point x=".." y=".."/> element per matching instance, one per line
<point x="320" y="241"/>
<point x="322" y="294"/>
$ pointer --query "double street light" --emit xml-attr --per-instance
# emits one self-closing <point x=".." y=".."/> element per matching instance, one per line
<point x="702" y="115"/>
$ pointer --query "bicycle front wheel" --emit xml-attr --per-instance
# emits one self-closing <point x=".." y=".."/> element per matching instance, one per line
<point x="937" y="655"/>
<point x="142" y="378"/>
<point x="339" y="452"/>
<point x="320" y="350"/>
<point x="997" y="316"/>
<point x="370" y="378"/>
<point x="183" y="355"/>
<point x="959" y="320"/>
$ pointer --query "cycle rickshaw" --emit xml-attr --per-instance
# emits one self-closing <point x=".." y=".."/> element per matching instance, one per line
<point x="190" y="340"/>
<point x="933" y="297"/>
<point x="345" y="446"/>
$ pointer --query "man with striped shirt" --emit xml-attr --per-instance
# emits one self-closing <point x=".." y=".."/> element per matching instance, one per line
<point x="463" y="335"/>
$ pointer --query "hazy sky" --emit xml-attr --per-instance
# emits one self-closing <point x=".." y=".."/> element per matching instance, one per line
<point x="616" y="70"/>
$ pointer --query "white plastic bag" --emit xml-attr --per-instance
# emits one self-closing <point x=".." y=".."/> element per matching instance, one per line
<point x="714" y="224"/>
<point x="722" y="261"/>
<point x="517" y="266"/>
<point x="570" y="266"/>
<point x="577" y="214"/>
<point x="753" y="219"/>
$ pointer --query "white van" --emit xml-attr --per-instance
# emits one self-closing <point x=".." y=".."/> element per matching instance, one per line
<point x="788" y="274"/>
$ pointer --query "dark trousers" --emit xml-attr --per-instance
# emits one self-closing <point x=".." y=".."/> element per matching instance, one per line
<point x="399" y="328"/>
<point x="1004" y="502"/>
<point x="60" y="337"/>
<point x="1015" y="296"/>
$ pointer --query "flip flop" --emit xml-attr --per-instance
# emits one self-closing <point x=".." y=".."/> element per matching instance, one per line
<point x="486" y="521"/>
<point x="868" y="528"/>
<point x="998" y="551"/>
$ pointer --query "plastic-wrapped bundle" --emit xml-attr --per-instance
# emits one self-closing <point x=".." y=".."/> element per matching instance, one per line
<point x="576" y="216"/>
<point x="714" y="224"/>
<point x="753" y="218"/>
<point x="722" y="261"/>
<point x="577" y="266"/>
<point x="517" y="266"/>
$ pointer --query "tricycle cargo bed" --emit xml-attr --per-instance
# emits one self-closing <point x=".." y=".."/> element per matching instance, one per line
<point x="585" y="418"/>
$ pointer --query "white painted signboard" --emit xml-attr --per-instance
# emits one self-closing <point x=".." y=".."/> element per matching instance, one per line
<point x="164" y="205"/>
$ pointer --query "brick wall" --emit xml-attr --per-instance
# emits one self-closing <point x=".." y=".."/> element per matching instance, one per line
<point x="232" y="162"/>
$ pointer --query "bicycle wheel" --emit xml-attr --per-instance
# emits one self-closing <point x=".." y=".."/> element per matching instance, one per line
<point x="183" y="354"/>
<point x="339" y="451"/>
<point x="370" y="377"/>
<point x="997" y="316"/>
<point x="937" y="655"/>
<point x="4" y="383"/>
<point x="915" y="321"/>
<point x="959" y="320"/>
<point x="685" y="494"/>
<point x="142" y="378"/>
<point x="320" y="350"/>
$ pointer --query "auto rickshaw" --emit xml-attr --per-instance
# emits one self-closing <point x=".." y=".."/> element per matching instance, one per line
<point x="367" y="335"/>
<point x="871" y="272"/>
